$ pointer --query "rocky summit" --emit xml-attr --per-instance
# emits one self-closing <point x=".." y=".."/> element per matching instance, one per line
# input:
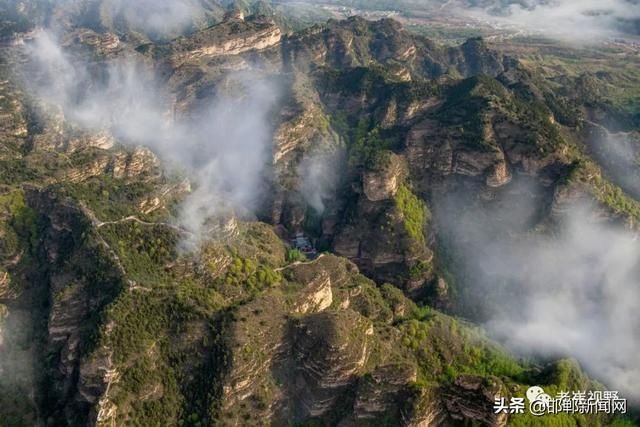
<point x="222" y="213"/>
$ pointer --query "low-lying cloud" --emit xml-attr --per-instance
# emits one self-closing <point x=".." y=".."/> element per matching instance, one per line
<point x="320" y="173"/>
<point x="583" y="20"/>
<point x="573" y="291"/>
<point x="223" y="146"/>
<point x="619" y="153"/>
<point x="580" y="293"/>
<point x="157" y="17"/>
<point x="574" y="20"/>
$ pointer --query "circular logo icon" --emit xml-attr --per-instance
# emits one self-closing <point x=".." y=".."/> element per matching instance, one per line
<point x="534" y="392"/>
<point x="539" y="401"/>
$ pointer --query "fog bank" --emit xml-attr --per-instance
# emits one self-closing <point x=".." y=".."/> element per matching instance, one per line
<point x="223" y="146"/>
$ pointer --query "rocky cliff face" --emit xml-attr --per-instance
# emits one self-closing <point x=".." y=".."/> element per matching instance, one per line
<point x="232" y="37"/>
<point x="75" y="277"/>
<point x="330" y="351"/>
<point x="149" y="21"/>
<point x="383" y="184"/>
<point x="325" y="348"/>
<point x="126" y="327"/>
<point x="357" y="42"/>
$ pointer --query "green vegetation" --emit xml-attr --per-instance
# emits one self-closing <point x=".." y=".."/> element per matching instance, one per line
<point x="584" y="170"/>
<point x="467" y="104"/>
<point x="15" y="170"/>
<point x="612" y="196"/>
<point x="22" y="224"/>
<point x="154" y="344"/>
<point x="563" y="376"/>
<point x="472" y="105"/>
<point x="257" y="241"/>
<point x="295" y="255"/>
<point x="444" y="349"/>
<point x="420" y="270"/>
<point x="368" y="148"/>
<point x="151" y="329"/>
<point x="250" y="275"/>
<point x="164" y="324"/>
<point x="109" y="198"/>
<point x="10" y="205"/>
<point x="535" y="115"/>
<point x="595" y="77"/>
<point x="167" y="319"/>
<point x="368" y="142"/>
<point x="623" y="422"/>
<point x="414" y="213"/>
<point x="491" y="360"/>
<point x="142" y="249"/>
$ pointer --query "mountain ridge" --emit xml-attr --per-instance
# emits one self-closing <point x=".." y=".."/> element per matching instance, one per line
<point x="123" y="325"/>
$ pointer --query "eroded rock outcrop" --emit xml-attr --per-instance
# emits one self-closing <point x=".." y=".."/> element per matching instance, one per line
<point x="469" y="399"/>
<point x="103" y="43"/>
<point x="13" y="118"/>
<point x="134" y="331"/>
<point x="256" y="341"/>
<point x="383" y="392"/>
<point x="383" y="184"/>
<point x="330" y="350"/>
<point x="472" y="398"/>
<point x="232" y="37"/>
<point x="75" y="264"/>
<point x="317" y="296"/>
<point x="141" y="161"/>
<point x="381" y="246"/>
